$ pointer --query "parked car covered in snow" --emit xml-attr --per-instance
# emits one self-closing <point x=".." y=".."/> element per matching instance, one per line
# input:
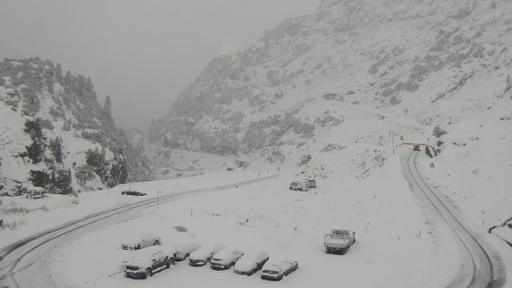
<point x="184" y="250"/>
<point x="204" y="254"/>
<point x="339" y="240"/>
<point x="251" y="262"/>
<point x="146" y="240"/>
<point x="225" y="258"/>
<point x="148" y="261"/>
<point x="301" y="185"/>
<point x="277" y="270"/>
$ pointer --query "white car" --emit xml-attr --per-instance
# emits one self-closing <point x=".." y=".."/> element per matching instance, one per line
<point x="146" y="240"/>
<point x="148" y="261"/>
<point x="251" y="262"/>
<point x="225" y="258"/>
<point x="277" y="270"/>
<point x="184" y="250"/>
<point x="203" y="255"/>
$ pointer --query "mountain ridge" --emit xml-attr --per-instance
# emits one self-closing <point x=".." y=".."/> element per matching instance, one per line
<point x="349" y="54"/>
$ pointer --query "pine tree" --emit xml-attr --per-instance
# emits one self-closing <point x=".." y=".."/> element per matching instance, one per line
<point x="107" y="108"/>
<point x="58" y="73"/>
<point x="56" y="149"/>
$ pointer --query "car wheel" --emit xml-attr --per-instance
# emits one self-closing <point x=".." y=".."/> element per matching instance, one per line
<point x="170" y="262"/>
<point x="149" y="273"/>
<point x="156" y="243"/>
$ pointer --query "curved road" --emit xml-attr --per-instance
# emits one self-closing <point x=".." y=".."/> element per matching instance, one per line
<point x="23" y="261"/>
<point x="477" y="269"/>
<point x="22" y="265"/>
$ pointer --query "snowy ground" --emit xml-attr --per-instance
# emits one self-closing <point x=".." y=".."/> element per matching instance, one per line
<point x="396" y="245"/>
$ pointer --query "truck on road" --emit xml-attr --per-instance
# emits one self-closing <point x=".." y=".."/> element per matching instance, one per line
<point x="339" y="241"/>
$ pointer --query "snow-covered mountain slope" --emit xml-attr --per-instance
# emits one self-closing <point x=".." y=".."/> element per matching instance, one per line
<point x="54" y="136"/>
<point x="354" y="81"/>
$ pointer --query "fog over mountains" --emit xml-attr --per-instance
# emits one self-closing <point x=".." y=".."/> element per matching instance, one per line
<point x="352" y="81"/>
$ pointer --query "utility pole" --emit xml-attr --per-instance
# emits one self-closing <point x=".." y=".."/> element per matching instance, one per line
<point x="392" y="134"/>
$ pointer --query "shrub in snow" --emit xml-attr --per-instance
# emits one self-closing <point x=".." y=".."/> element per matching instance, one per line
<point x="39" y="178"/>
<point x="34" y="128"/>
<point x="31" y="103"/>
<point x="56" y="148"/>
<point x="83" y="174"/>
<point x="334" y="96"/>
<point x="394" y="101"/>
<point x="438" y="132"/>
<point x="328" y="120"/>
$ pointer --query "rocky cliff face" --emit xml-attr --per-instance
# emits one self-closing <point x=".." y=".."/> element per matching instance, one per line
<point x="55" y="135"/>
<point x="353" y="72"/>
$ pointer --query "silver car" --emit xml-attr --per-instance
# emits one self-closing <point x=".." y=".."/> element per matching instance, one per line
<point x="225" y="258"/>
<point x="145" y="263"/>
<point x="184" y="250"/>
<point x="251" y="262"/>
<point x="146" y="240"/>
<point x="277" y="270"/>
<point x="204" y="254"/>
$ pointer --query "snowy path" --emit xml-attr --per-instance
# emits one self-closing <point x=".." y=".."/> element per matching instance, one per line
<point x="477" y="268"/>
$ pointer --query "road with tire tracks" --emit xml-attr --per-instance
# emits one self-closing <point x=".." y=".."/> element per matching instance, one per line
<point x="477" y="263"/>
<point x="22" y="263"/>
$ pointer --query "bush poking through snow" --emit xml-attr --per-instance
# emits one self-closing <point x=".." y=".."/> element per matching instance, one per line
<point x="438" y="132"/>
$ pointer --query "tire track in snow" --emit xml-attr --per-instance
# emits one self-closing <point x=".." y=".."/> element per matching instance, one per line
<point x="481" y="269"/>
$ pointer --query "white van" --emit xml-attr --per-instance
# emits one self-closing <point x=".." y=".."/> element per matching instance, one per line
<point x="302" y="185"/>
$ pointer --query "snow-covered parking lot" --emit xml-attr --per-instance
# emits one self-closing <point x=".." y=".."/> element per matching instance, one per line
<point x="396" y="245"/>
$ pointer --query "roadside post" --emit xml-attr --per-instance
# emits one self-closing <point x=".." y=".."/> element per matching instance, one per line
<point x="432" y="166"/>
<point x="392" y="134"/>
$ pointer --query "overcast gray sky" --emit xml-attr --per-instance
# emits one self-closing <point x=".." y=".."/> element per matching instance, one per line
<point x="142" y="53"/>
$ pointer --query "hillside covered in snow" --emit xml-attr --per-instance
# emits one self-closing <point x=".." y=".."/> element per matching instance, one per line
<point x="356" y="80"/>
<point x="55" y="137"/>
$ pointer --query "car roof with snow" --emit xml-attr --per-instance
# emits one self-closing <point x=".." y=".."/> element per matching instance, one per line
<point x="206" y="251"/>
<point x="138" y="238"/>
<point x="186" y="246"/>
<point x="281" y="264"/>
<point x="249" y="259"/>
<point x="147" y="253"/>
<point x="226" y="252"/>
